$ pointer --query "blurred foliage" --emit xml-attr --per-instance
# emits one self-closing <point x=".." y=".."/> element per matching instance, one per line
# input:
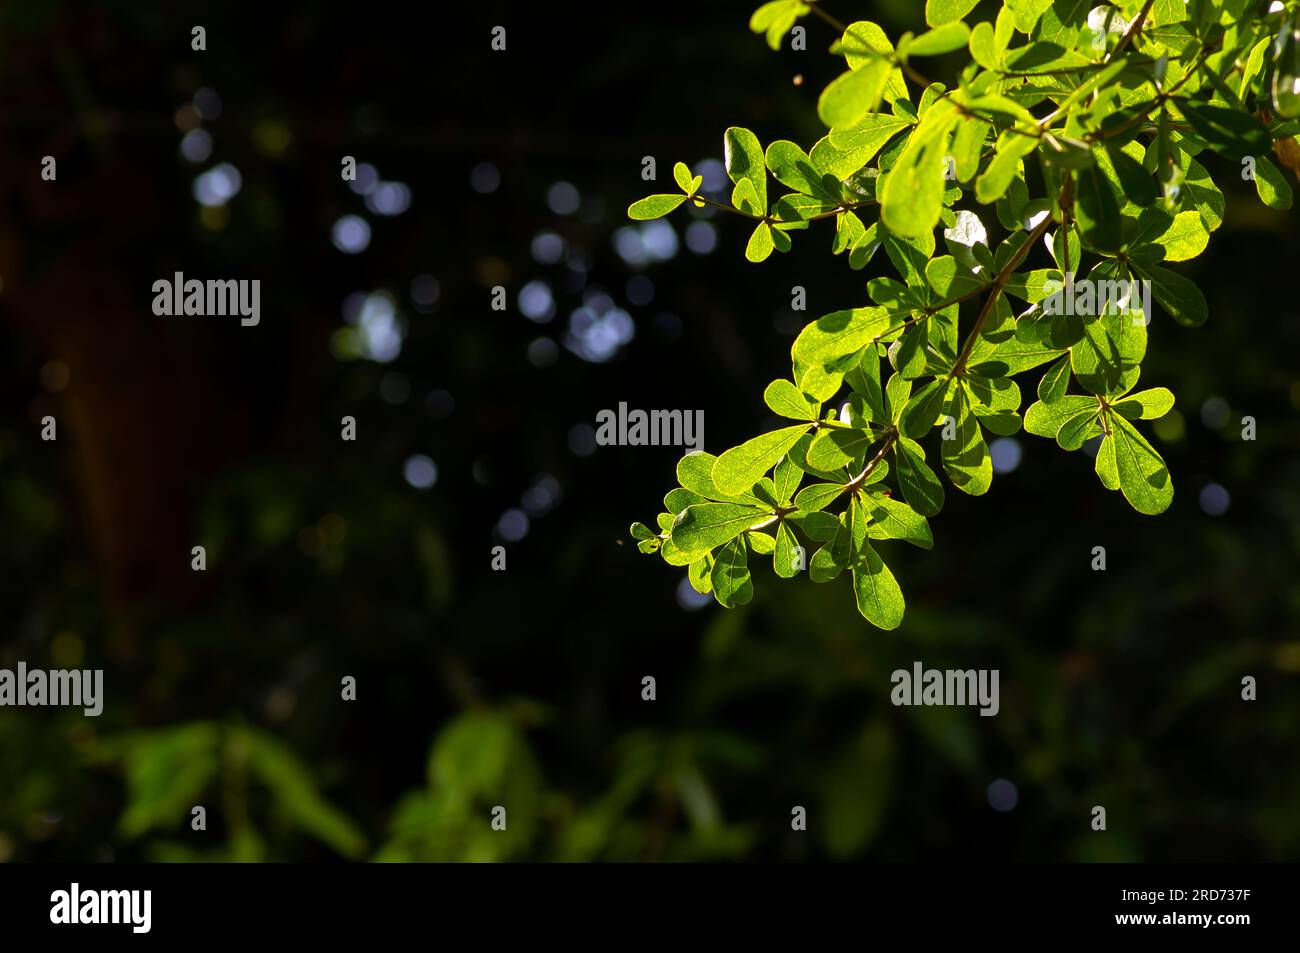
<point x="522" y="688"/>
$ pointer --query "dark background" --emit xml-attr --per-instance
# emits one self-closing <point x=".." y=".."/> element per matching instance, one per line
<point x="522" y="688"/>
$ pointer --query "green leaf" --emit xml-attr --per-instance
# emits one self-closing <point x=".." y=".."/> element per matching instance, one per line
<point x="824" y="567"/>
<point x="994" y="181"/>
<point x="1060" y="22"/>
<point x="699" y="573"/>
<point x="815" y="524"/>
<point x="746" y="200"/>
<point x="909" y="255"/>
<point x="818" y="496"/>
<point x="848" y="230"/>
<point x="1046" y="419"/>
<point x="939" y="12"/>
<point x="706" y="526"/>
<point x="967" y="146"/>
<point x="730" y="577"/>
<point x="1253" y="67"/>
<point x="674" y="556"/>
<point x="949" y="279"/>
<point x="966" y="458"/>
<point x="983" y="46"/>
<point x="641" y="531"/>
<point x="1273" y="188"/>
<point x="743" y="157"/>
<point x="1001" y="108"/>
<point x="818" y="381"/>
<point x="1097" y="210"/>
<point x="1135" y="181"/>
<point x="289" y="779"/>
<point x="1004" y="29"/>
<point x="784" y="562"/>
<point x="785" y="479"/>
<point x="654" y="206"/>
<point x="864" y="42"/>
<point x="940" y="40"/>
<point x="1009" y="357"/>
<point x="1199" y="190"/>
<point x="1232" y="132"/>
<point x="852" y="95"/>
<point x="796" y="209"/>
<point x="1179" y="296"/>
<point x="1143" y="476"/>
<point x="682" y="176"/>
<point x="1145" y="405"/>
<point x="765" y="492"/>
<point x="865" y="381"/>
<point x="914" y="189"/>
<point x="1106" y="466"/>
<point x="839" y="334"/>
<point x="1027" y="12"/>
<point x="1107" y="360"/>
<point x="793" y="168"/>
<point x="1052" y="386"/>
<point x="1033" y="286"/>
<point x="787" y="400"/>
<point x="923" y="409"/>
<point x="761" y="243"/>
<point x="799" y="454"/>
<point x="678" y="499"/>
<point x="769" y="13"/>
<point x="868" y="134"/>
<point x="898" y="391"/>
<point x="878" y="596"/>
<point x="775" y="19"/>
<point x="167" y="770"/>
<point x="1077" y="429"/>
<point x="921" y="487"/>
<point x="837" y="163"/>
<point x="741" y="467"/>
<point x="892" y="519"/>
<point x="1066" y="153"/>
<point x="695" y="473"/>
<point x="1185" y="238"/>
<point x="833" y="448"/>
<point x="995" y="401"/>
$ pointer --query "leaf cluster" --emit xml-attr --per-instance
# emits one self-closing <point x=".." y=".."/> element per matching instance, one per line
<point x="1062" y="159"/>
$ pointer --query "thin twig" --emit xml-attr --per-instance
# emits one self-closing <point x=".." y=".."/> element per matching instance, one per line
<point x="816" y="9"/>
<point x="1133" y="30"/>
<point x="995" y="289"/>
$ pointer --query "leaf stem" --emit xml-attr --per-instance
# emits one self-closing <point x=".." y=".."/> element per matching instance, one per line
<point x="728" y="208"/>
<point x="861" y="478"/>
<point x="995" y="290"/>
<point x="1160" y="100"/>
<point x="1133" y="30"/>
<point x="772" y="220"/>
<point x="815" y="6"/>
